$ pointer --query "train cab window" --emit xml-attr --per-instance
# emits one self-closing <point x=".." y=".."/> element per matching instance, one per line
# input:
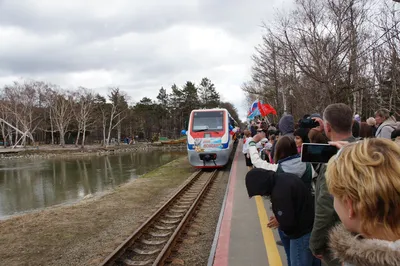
<point x="208" y="121"/>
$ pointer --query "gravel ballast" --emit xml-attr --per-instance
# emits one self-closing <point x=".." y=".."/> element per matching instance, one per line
<point x="196" y="245"/>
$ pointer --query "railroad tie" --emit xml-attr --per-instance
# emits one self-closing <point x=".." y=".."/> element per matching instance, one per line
<point x="164" y="227"/>
<point x="160" y="234"/>
<point x="153" y="242"/>
<point x="146" y="252"/>
<point x="129" y="262"/>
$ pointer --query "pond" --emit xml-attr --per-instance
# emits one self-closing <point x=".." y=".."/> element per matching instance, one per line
<point x="27" y="185"/>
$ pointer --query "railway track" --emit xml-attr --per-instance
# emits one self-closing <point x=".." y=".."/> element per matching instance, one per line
<point x="153" y="242"/>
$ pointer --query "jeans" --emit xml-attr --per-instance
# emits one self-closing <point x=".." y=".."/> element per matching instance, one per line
<point x="297" y="250"/>
<point x="300" y="253"/>
<point x="286" y="244"/>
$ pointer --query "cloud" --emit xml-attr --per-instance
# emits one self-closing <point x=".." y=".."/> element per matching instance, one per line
<point x="136" y="45"/>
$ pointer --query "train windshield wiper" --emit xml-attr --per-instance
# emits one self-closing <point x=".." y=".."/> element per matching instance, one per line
<point x="200" y="129"/>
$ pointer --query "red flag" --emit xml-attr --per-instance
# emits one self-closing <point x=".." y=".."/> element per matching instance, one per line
<point x="266" y="109"/>
<point x="263" y="111"/>
<point x="270" y="109"/>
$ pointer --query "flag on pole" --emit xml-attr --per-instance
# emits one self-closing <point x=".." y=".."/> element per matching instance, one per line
<point x="253" y="106"/>
<point x="258" y="108"/>
<point x="266" y="109"/>
<point x="253" y="111"/>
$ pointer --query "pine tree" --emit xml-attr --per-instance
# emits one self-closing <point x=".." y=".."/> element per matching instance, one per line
<point x="209" y="97"/>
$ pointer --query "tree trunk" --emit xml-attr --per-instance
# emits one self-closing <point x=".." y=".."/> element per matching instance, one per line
<point x="284" y="102"/>
<point x="83" y="135"/>
<point x="4" y="135"/>
<point x="52" y="129"/>
<point x="104" y="131"/>
<point x="119" y="129"/>
<point x="16" y="132"/>
<point x="62" y="140"/>
<point x="110" y="125"/>
<point x="77" y="138"/>
<point x="10" y="136"/>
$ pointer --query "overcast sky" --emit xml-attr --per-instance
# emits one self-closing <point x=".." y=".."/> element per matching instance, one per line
<point x="136" y="45"/>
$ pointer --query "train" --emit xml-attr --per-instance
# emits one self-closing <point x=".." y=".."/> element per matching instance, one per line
<point x="210" y="137"/>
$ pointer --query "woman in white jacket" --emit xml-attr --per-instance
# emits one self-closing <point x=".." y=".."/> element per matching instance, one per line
<point x="245" y="150"/>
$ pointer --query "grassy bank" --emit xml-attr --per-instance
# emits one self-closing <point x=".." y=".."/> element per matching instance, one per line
<point x="85" y="233"/>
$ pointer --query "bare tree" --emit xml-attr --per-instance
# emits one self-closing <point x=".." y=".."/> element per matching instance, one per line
<point x="22" y="98"/>
<point x="83" y="111"/>
<point x="117" y="112"/>
<point x="60" y="105"/>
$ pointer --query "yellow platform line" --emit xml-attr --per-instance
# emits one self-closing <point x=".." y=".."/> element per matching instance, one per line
<point x="273" y="255"/>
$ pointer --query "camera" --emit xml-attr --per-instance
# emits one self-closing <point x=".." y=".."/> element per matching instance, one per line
<point x="308" y="123"/>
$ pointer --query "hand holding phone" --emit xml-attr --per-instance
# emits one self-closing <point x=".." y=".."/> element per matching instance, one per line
<point x="317" y="153"/>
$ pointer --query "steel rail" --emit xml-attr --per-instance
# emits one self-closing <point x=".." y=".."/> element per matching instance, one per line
<point x="166" y="251"/>
<point x="122" y="248"/>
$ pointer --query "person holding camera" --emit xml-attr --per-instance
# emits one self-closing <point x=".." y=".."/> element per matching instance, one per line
<point x="337" y="124"/>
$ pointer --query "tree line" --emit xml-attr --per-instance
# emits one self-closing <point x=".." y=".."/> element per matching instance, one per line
<point x="329" y="51"/>
<point x="33" y="112"/>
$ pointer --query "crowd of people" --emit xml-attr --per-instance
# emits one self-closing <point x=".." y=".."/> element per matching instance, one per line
<point x="344" y="212"/>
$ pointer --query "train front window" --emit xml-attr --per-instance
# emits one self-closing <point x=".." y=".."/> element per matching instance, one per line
<point x="208" y="121"/>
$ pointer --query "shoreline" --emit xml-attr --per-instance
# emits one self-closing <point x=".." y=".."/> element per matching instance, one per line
<point x="51" y="151"/>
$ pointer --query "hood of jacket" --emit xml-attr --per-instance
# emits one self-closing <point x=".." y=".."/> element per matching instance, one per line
<point x="358" y="251"/>
<point x="286" y="124"/>
<point x="260" y="182"/>
<point x="293" y="165"/>
<point x="388" y="122"/>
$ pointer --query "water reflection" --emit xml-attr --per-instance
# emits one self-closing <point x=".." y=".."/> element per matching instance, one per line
<point x="34" y="184"/>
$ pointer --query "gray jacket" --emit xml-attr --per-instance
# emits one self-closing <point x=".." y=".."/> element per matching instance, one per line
<point x="386" y="128"/>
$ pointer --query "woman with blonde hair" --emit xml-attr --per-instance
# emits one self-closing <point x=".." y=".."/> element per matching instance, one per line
<point x="364" y="179"/>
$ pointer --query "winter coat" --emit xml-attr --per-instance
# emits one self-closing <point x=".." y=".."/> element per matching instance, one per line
<point x="245" y="148"/>
<point x="386" y="128"/>
<point x="354" y="250"/>
<point x="292" y="203"/>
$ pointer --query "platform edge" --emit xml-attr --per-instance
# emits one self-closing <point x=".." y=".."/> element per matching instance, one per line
<point x="221" y="215"/>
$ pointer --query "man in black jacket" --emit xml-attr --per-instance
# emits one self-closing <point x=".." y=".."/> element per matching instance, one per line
<point x="292" y="205"/>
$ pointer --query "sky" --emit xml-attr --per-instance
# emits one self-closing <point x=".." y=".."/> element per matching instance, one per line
<point x="136" y="45"/>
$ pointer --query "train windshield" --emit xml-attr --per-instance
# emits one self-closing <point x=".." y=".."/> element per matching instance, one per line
<point x="208" y="121"/>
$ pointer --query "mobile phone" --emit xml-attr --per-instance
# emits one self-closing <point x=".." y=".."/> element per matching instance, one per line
<point x="317" y="153"/>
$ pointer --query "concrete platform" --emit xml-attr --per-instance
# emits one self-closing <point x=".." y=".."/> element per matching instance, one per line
<point x="242" y="237"/>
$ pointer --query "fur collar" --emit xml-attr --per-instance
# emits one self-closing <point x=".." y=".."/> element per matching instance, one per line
<point x="358" y="251"/>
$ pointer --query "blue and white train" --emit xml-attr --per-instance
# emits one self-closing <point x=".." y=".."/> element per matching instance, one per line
<point x="210" y="137"/>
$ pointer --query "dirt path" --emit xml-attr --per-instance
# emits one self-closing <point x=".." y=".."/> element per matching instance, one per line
<point x="85" y="233"/>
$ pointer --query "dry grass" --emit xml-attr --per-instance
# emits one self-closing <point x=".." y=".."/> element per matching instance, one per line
<point x="85" y="233"/>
